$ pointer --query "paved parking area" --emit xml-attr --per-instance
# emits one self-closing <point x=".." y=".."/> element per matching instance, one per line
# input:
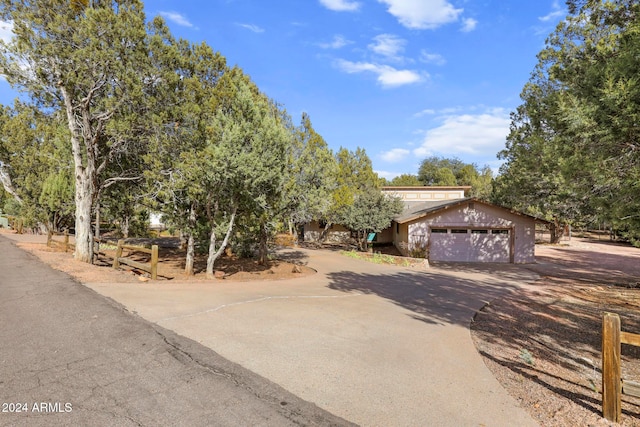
<point x="375" y="344"/>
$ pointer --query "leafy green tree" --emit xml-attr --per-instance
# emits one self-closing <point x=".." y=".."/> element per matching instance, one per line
<point x="371" y="211"/>
<point x="245" y="162"/>
<point x="406" y="180"/>
<point x="440" y="171"/>
<point x="184" y="106"/>
<point x="40" y="173"/>
<point x="572" y="151"/>
<point x="313" y="176"/>
<point x="354" y="176"/>
<point x="89" y="60"/>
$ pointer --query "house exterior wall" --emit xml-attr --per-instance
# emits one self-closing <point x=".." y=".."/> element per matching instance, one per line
<point x="481" y="216"/>
<point x="425" y="194"/>
<point x="336" y="234"/>
<point x="385" y="236"/>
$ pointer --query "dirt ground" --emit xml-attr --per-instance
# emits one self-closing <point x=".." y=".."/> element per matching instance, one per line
<point x="544" y="344"/>
<point x="170" y="264"/>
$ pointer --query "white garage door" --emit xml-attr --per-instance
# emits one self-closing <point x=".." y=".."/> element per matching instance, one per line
<point x="469" y="245"/>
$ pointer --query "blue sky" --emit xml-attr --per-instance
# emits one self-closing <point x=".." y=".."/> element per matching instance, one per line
<point x="404" y="79"/>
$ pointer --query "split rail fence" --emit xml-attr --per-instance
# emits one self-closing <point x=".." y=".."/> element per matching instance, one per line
<point x="613" y="385"/>
<point x="151" y="267"/>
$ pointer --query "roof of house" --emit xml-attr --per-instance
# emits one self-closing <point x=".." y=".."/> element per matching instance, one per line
<point x="423" y="209"/>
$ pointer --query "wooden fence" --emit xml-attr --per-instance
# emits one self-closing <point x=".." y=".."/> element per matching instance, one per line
<point x="613" y="386"/>
<point x="151" y="267"/>
<point x="51" y="242"/>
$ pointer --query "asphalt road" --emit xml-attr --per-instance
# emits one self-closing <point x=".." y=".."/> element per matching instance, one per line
<point x="69" y="356"/>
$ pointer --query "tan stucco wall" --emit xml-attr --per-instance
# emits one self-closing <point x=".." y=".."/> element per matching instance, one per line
<point x="481" y="216"/>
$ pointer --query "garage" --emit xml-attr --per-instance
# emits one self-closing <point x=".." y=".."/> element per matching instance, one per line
<point x="466" y="230"/>
<point x="470" y="245"/>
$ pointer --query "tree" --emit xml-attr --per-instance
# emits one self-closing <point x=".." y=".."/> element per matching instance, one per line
<point x="184" y="107"/>
<point x="454" y="172"/>
<point x="40" y="173"/>
<point x="406" y="180"/>
<point x="246" y="160"/>
<point x="371" y="211"/>
<point x="354" y="175"/>
<point x="574" y="140"/>
<point x="90" y="61"/>
<point x="313" y="175"/>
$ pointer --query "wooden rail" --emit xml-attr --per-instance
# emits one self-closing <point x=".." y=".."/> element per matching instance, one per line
<point x="65" y="243"/>
<point x="151" y="267"/>
<point x="613" y="386"/>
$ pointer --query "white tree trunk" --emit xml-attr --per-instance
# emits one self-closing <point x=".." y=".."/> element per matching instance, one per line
<point x="5" y="179"/>
<point x="213" y="254"/>
<point x="191" y="246"/>
<point x="84" y="208"/>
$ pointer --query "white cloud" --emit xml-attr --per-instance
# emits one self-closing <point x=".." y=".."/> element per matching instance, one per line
<point x="425" y="112"/>
<point x="6" y="31"/>
<point x="341" y="5"/>
<point x="252" y="27"/>
<point x="177" y="18"/>
<point x="394" y="155"/>
<point x="422" y="14"/>
<point x="556" y="12"/>
<point x="469" y="25"/>
<point x="387" y="75"/>
<point x="432" y="58"/>
<point x="337" y="43"/>
<point x="388" y="45"/>
<point x="470" y="134"/>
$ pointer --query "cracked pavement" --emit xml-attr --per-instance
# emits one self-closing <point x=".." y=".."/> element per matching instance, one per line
<point x="92" y="362"/>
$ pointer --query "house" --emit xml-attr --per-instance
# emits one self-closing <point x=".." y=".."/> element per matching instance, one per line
<point x="445" y="225"/>
<point x="466" y="230"/>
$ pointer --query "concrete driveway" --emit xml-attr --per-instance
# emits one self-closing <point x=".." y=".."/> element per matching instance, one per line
<point x="375" y="344"/>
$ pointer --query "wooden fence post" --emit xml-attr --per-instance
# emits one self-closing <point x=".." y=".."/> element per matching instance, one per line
<point x="48" y="238"/>
<point x="611" y="376"/>
<point x="154" y="262"/>
<point x="66" y="239"/>
<point x="116" y="262"/>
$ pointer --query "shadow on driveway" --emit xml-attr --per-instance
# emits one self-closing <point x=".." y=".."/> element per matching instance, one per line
<point x="434" y="298"/>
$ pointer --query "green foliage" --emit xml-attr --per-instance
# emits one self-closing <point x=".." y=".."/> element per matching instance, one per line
<point x="371" y="211"/>
<point x="313" y="175"/>
<point x="406" y="180"/>
<point x="571" y="155"/>
<point x="440" y="171"/>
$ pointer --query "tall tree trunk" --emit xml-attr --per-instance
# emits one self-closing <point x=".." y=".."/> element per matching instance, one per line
<point x="263" y="247"/>
<point x="84" y="208"/>
<point x="97" y="232"/>
<point x="5" y="179"/>
<point x="83" y="147"/>
<point x="124" y="227"/>
<point x="213" y="254"/>
<point x="191" y="246"/>
<point x="556" y="231"/>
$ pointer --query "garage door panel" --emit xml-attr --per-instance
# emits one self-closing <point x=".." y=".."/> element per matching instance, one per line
<point x="449" y="247"/>
<point x="470" y="247"/>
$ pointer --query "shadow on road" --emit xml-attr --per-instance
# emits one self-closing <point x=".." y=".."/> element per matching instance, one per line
<point x="433" y="298"/>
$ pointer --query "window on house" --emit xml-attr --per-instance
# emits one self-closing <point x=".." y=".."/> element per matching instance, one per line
<point x="438" y="230"/>
<point x="479" y="231"/>
<point x="499" y="231"/>
<point x="458" y="231"/>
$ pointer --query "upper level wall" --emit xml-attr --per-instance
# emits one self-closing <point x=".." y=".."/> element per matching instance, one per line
<point x="426" y="194"/>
